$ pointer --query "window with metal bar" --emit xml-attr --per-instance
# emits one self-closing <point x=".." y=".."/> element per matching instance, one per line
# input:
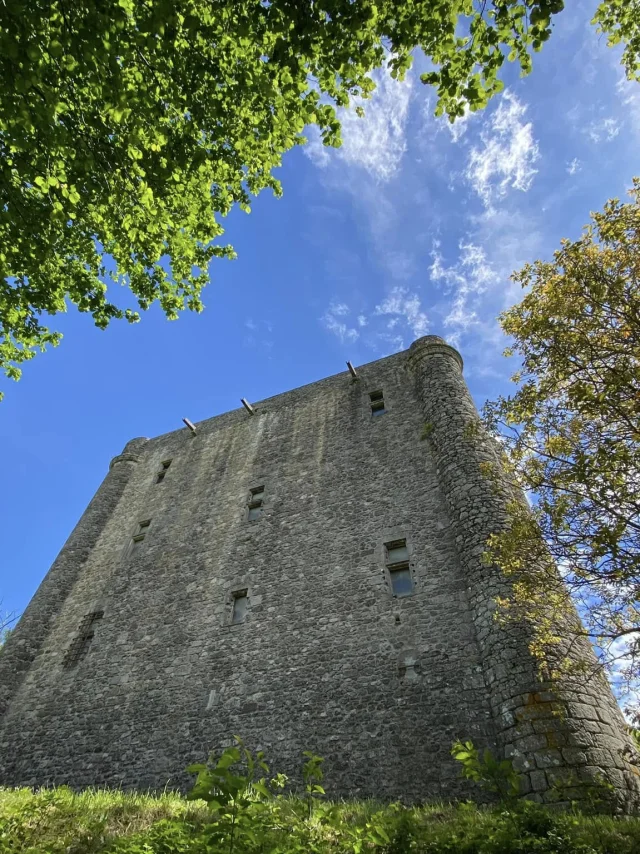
<point x="376" y="399"/>
<point x="79" y="646"/>
<point x="140" y="534"/>
<point x="397" y="562"/>
<point x="255" y="503"/>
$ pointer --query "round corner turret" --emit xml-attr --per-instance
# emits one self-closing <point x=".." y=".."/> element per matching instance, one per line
<point x="433" y="345"/>
<point x="130" y="452"/>
<point x="549" y="728"/>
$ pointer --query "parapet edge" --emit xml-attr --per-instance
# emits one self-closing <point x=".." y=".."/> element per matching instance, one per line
<point x="433" y="345"/>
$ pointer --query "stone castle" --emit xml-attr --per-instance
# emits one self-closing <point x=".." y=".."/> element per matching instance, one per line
<point x="307" y="574"/>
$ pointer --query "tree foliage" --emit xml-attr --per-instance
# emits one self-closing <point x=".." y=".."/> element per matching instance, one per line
<point x="620" y="20"/>
<point x="571" y="437"/>
<point x="128" y="128"/>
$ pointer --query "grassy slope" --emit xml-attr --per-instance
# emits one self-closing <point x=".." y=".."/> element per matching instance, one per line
<point x="61" y="822"/>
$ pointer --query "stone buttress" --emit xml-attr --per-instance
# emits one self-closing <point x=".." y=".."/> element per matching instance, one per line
<point x="26" y="640"/>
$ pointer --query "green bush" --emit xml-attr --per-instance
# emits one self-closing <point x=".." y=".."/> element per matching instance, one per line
<point x="235" y="807"/>
<point x="496" y="776"/>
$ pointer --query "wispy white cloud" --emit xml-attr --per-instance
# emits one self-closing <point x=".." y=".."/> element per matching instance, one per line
<point x="390" y="326"/>
<point x="376" y="142"/>
<point x="339" y="309"/>
<point x="369" y="167"/>
<point x="259" y="333"/>
<point x="432" y="126"/>
<point x="406" y="305"/>
<point x="511" y="237"/>
<point x="603" y="130"/>
<point x="466" y="280"/>
<point x="333" y="321"/>
<point x="628" y="92"/>
<point x="459" y="128"/>
<point x="574" y="166"/>
<point x="387" y="343"/>
<point x="507" y="155"/>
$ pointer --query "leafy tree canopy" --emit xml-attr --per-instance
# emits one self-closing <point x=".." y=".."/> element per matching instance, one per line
<point x="129" y="127"/>
<point x="572" y="439"/>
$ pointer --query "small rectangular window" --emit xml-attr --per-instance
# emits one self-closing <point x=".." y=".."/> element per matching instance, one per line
<point x="141" y="533"/>
<point x="398" y="567"/>
<point x="401" y="583"/>
<point x="79" y="646"/>
<point x="161" y="474"/>
<point x="397" y="551"/>
<point x="256" y="500"/>
<point x="239" y="607"/>
<point x="377" y="402"/>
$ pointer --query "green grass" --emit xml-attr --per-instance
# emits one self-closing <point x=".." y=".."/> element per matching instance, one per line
<point x="58" y="821"/>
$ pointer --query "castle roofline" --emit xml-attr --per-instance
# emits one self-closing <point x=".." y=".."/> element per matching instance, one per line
<point x="425" y="345"/>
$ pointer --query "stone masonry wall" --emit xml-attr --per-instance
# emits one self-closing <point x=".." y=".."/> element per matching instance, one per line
<point x="558" y="735"/>
<point x="34" y="626"/>
<point x="327" y="659"/>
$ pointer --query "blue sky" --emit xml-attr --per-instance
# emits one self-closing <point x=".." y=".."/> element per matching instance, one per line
<point x="412" y="227"/>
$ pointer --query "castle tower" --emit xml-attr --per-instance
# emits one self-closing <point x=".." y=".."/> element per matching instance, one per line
<point x="560" y="737"/>
<point x="309" y="577"/>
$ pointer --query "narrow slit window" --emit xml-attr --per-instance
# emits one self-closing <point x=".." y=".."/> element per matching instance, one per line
<point x="79" y="646"/>
<point x="141" y="533"/>
<point x="376" y="399"/>
<point x="256" y="501"/>
<point x="239" y="607"/>
<point x="161" y="474"/>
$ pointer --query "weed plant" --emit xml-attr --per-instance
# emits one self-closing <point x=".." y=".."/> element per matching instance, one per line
<point x="237" y="807"/>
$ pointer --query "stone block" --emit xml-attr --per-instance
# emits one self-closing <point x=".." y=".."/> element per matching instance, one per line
<point x="538" y="781"/>
<point x="548" y="758"/>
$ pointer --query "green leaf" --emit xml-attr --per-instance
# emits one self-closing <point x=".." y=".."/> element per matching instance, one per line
<point x="153" y="120"/>
<point x="196" y="769"/>
<point x="262" y="789"/>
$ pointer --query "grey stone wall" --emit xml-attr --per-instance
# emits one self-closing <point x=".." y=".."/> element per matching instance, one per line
<point x="31" y="632"/>
<point x="327" y="659"/>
